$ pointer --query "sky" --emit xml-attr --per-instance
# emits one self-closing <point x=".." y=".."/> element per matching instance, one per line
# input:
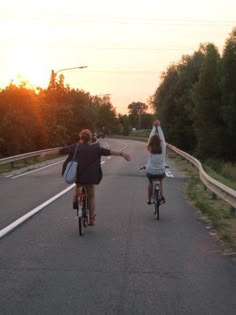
<point x="124" y="44"/>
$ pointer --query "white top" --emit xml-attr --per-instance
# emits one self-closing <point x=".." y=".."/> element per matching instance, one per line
<point x="156" y="162"/>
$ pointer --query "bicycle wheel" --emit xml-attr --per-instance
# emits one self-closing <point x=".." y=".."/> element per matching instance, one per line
<point x="157" y="205"/>
<point x="80" y="221"/>
<point x="81" y="227"/>
<point x="85" y="208"/>
<point x="85" y="217"/>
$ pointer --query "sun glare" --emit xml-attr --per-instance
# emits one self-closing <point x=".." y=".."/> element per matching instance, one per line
<point x="28" y="66"/>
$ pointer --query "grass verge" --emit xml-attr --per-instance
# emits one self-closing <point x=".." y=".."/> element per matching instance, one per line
<point x="223" y="172"/>
<point x="215" y="212"/>
<point x="5" y="168"/>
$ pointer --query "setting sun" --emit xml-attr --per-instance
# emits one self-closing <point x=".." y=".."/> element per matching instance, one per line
<point x="27" y="65"/>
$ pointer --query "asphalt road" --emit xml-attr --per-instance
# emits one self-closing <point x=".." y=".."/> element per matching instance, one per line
<point x="129" y="263"/>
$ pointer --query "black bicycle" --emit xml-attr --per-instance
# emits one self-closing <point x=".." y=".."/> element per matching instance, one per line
<point x="82" y="210"/>
<point x="156" y="195"/>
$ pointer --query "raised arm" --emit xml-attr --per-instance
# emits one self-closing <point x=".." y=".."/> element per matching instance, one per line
<point x="156" y="129"/>
<point x="153" y="131"/>
<point x="163" y="141"/>
<point x="161" y="135"/>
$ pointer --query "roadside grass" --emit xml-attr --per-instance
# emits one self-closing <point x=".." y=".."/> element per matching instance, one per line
<point x="223" y="172"/>
<point x="213" y="211"/>
<point x="5" y="168"/>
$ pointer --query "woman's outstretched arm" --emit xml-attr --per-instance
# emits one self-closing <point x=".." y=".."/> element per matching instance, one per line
<point x="126" y="156"/>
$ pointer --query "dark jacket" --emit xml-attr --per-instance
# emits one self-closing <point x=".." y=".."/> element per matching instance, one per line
<point x="89" y="162"/>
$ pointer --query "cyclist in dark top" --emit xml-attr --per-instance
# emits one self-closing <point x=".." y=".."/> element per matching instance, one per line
<point x="89" y="172"/>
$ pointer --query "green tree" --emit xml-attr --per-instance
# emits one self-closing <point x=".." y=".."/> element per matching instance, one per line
<point x="124" y="124"/>
<point x="107" y="121"/>
<point x="173" y="101"/>
<point x="136" y="110"/>
<point x="206" y="96"/>
<point x="19" y="126"/>
<point x="228" y="88"/>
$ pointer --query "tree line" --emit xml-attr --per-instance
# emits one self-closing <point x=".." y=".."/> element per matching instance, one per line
<point x="34" y="119"/>
<point x="45" y="118"/>
<point x="196" y="101"/>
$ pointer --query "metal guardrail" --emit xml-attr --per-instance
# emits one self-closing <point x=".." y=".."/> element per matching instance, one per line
<point x="224" y="192"/>
<point x="221" y="190"/>
<point x="24" y="156"/>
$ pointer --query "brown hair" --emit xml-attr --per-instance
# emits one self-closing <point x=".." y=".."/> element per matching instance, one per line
<point x="85" y="136"/>
<point x="154" y="145"/>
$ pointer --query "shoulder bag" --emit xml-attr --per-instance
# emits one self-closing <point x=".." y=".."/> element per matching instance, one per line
<point x="71" y="169"/>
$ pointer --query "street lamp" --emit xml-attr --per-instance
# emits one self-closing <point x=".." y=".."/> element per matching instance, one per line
<point x="54" y="73"/>
<point x="52" y="86"/>
<point x="81" y="67"/>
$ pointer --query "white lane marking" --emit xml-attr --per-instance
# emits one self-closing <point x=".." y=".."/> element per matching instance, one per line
<point x="168" y="173"/>
<point x="36" y="170"/>
<point x="25" y="217"/>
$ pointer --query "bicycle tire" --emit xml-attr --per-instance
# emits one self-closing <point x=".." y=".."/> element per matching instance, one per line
<point x="80" y="222"/>
<point x="85" y="208"/>
<point x="157" y="205"/>
<point x="157" y="210"/>
<point x="81" y="229"/>
<point x="85" y="218"/>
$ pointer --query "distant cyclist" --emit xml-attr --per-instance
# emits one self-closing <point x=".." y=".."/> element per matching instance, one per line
<point x="156" y="159"/>
<point x="89" y="171"/>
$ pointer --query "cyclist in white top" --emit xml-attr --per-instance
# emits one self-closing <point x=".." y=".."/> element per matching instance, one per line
<point x="156" y="158"/>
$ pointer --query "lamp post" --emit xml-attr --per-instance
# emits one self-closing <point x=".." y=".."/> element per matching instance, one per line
<point x="52" y="86"/>
<point x="54" y="73"/>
